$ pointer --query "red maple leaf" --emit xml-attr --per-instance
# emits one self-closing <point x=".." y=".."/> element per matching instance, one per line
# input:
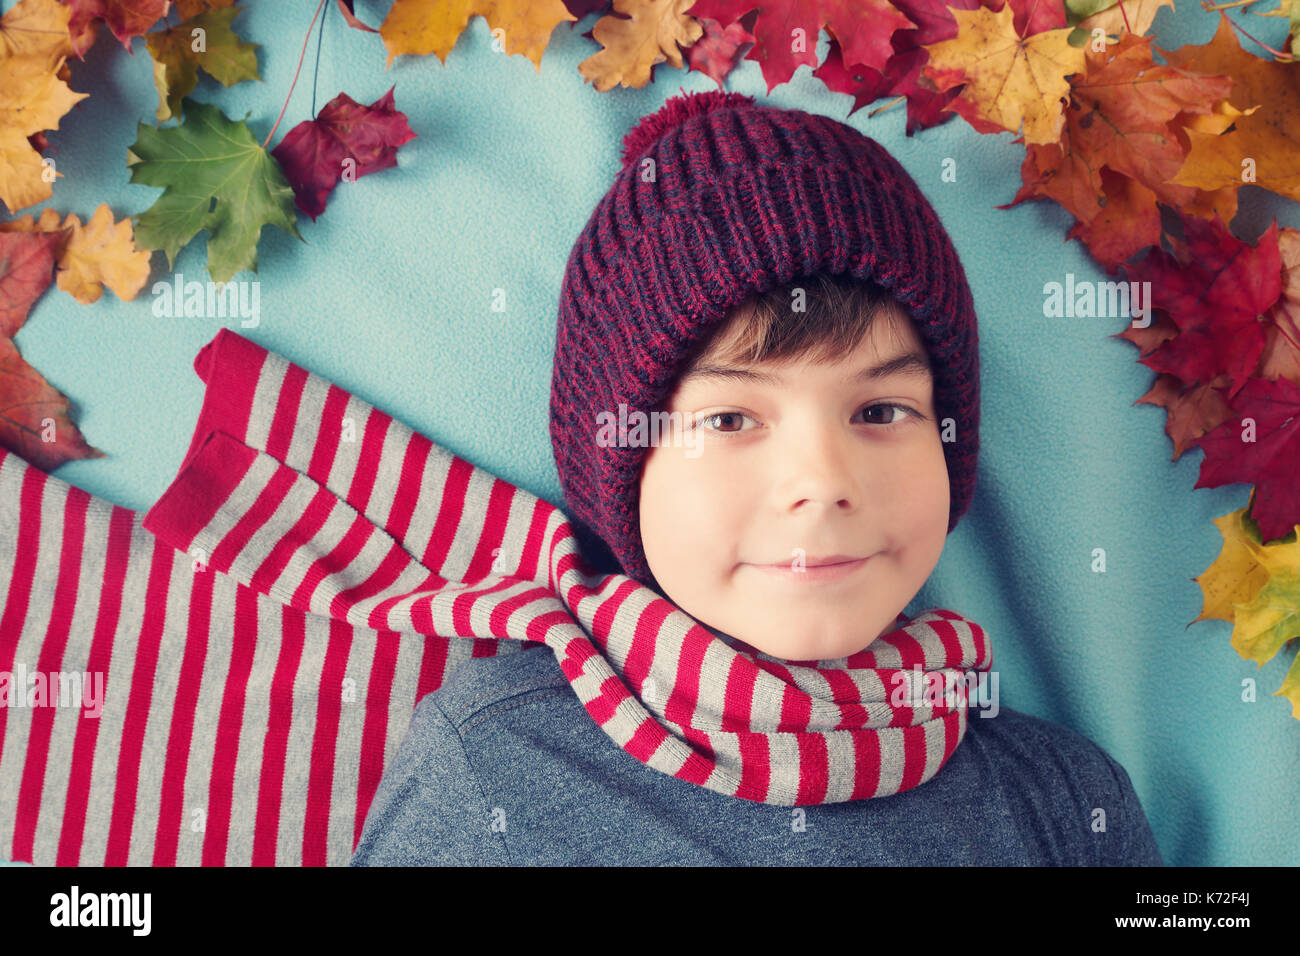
<point x="1260" y="444"/>
<point x="126" y="18"/>
<point x="716" y="53"/>
<point x="344" y="138"/>
<point x="862" y="28"/>
<point x="1215" y="288"/>
<point x="26" y="268"/>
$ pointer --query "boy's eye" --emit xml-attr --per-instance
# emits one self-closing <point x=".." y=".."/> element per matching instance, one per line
<point x="891" y="406"/>
<point x="737" y="417"/>
<point x="719" y="416"/>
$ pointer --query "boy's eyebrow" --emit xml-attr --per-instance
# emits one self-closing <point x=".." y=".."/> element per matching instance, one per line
<point x="912" y="364"/>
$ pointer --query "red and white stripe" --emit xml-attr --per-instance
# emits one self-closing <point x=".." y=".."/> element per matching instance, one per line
<point x="267" y="627"/>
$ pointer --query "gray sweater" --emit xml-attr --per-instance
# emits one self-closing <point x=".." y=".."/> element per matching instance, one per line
<point x="504" y="766"/>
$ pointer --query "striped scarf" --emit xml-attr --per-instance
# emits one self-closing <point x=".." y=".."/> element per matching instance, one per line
<point x="265" y="630"/>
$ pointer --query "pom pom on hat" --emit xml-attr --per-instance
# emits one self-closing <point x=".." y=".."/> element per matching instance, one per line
<point x="673" y="113"/>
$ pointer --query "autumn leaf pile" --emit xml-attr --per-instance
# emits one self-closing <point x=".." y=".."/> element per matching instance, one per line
<point x="1146" y="156"/>
<point x="214" y="176"/>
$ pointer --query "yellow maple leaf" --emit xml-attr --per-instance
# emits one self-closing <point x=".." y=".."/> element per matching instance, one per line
<point x="1270" y="619"/>
<point x="650" y="32"/>
<point x="433" y="26"/>
<point x="1266" y="623"/>
<point x="1290" y="688"/>
<point x="102" y="253"/>
<point x="1243" y="567"/>
<point x="32" y="98"/>
<point x="49" y="222"/>
<point x="1008" y="79"/>
<point x="37" y="27"/>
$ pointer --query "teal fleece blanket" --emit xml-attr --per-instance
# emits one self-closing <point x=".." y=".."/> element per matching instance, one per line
<point x="391" y="296"/>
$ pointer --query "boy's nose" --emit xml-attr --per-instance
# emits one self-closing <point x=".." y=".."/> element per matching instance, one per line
<point x="818" y="469"/>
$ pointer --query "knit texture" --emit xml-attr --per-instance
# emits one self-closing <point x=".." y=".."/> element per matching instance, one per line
<point x="720" y="197"/>
<point x="265" y="630"/>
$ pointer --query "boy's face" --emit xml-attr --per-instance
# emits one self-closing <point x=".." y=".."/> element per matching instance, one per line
<point x="809" y="465"/>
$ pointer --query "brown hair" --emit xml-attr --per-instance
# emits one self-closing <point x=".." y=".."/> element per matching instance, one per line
<point x="838" y="311"/>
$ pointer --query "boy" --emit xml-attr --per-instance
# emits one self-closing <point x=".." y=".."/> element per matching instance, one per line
<point x="764" y="266"/>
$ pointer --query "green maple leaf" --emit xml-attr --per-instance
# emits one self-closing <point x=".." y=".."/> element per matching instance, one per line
<point x="215" y="176"/>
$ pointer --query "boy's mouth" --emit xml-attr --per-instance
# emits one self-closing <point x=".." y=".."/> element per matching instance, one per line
<point x="828" y="568"/>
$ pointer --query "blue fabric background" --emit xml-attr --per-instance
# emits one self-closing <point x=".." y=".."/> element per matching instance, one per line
<point x="390" y="297"/>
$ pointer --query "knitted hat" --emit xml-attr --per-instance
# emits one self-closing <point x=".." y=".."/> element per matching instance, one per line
<point x="720" y="197"/>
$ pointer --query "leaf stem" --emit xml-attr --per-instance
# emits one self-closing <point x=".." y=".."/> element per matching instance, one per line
<point x="1281" y="57"/>
<point x="319" y="7"/>
<point x="890" y="105"/>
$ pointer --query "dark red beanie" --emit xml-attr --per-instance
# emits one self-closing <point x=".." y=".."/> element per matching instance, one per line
<point x="738" y="197"/>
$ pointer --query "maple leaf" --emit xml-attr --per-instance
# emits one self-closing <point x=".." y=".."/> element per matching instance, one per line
<point x="1009" y="79"/>
<point x="192" y="8"/>
<point x="786" y="31"/>
<point x="1127" y="223"/>
<point x="26" y="267"/>
<point x="314" y="154"/>
<point x="1160" y="329"/>
<point x="649" y="32"/>
<point x="1215" y="289"/>
<point x="1267" y="136"/>
<point x="101" y="253"/>
<point x="1192" y="412"/>
<point x="37" y="27"/>
<point x="925" y="107"/>
<point x="716" y="53"/>
<point x="215" y="176"/>
<point x="126" y="18"/>
<point x="34" y="416"/>
<point x="1281" y="355"/>
<point x="1260" y="444"/>
<point x="1122" y="143"/>
<point x="91" y="256"/>
<point x="223" y="56"/>
<point x="429" y="26"/>
<point x="32" y="98"/>
<point x="1264" y="624"/>
<point x="1253" y="585"/>
<point x="1132" y="16"/>
<point x="1243" y="567"/>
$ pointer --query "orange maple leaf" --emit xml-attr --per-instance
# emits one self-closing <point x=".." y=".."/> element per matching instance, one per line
<point x="649" y="32"/>
<point x="1267" y="136"/>
<point x="431" y="26"/>
<point x="1124" y="139"/>
<point x="1193" y="412"/>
